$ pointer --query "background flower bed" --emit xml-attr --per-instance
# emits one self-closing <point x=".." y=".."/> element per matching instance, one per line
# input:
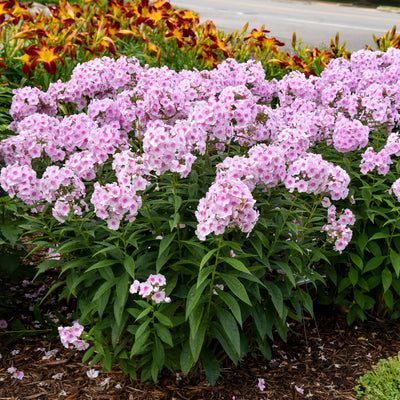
<point x="370" y="285"/>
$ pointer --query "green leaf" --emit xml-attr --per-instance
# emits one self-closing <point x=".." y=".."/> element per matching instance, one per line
<point x="102" y="289"/>
<point x="236" y="287"/>
<point x="229" y="326"/>
<point x="163" y="319"/>
<point x="362" y="240"/>
<point x="276" y="297"/>
<point x="395" y="259"/>
<point x="10" y="232"/>
<point x="158" y="353"/>
<point x="129" y="265"/>
<point x="235" y="263"/>
<point x="289" y="273"/>
<point x="196" y="343"/>
<point x="89" y="352"/>
<point x="263" y="239"/>
<point x="121" y="297"/>
<point x="375" y="249"/>
<point x="165" y="243"/>
<point x="260" y="319"/>
<point x="102" y="303"/>
<point x="195" y="319"/>
<point x="357" y="260"/>
<point x="219" y="334"/>
<point x="233" y="305"/>
<point x="265" y="349"/>
<point x="319" y="255"/>
<point x="141" y="337"/>
<point x="353" y="276"/>
<point x="386" y="279"/>
<point x="306" y="300"/>
<point x="374" y="263"/>
<point x="71" y="246"/>
<point x="164" y="334"/>
<point x="102" y="264"/>
<point x="379" y="235"/>
<point x="388" y="298"/>
<point x="186" y="359"/>
<point x="359" y="298"/>
<point x="177" y="203"/>
<point x="293" y="245"/>
<point x="211" y="366"/>
<point x="203" y="274"/>
<point x="154" y="371"/>
<point x="257" y="246"/>
<point x="173" y="223"/>
<point x="193" y="297"/>
<point x="143" y="313"/>
<point x="206" y="257"/>
<point x="162" y="260"/>
<point x="107" y="359"/>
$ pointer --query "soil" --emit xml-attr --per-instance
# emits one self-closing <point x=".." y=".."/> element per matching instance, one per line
<point x="321" y="360"/>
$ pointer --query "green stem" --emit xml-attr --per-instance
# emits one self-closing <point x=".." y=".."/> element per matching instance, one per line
<point x="282" y="227"/>
<point x="220" y="240"/>
<point x="174" y="187"/>
<point x="394" y="228"/>
<point x="370" y="198"/>
<point x="83" y="234"/>
<point x="25" y="331"/>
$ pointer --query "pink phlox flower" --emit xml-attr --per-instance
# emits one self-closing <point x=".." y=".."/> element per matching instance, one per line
<point x="92" y="373"/>
<point x="395" y="189"/>
<point x="70" y="335"/>
<point x="299" y="389"/>
<point x="337" y="228"/>
<point x="11" y="370"/>
<point x="159" y="296"/>
<point x="312" y="174"/>
<point x="151" y="288"/>
<point x="261" y="384"/>
<point x="145" y="289"/>
<point x="228" y="203"/>
<point x="134" y="288"/>
<point x="18" y="375"/>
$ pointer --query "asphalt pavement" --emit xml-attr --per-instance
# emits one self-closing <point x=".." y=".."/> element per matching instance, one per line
<point x="314" y="22"/>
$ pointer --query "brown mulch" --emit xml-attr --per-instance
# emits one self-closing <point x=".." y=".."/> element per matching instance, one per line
<point x="321" y="360"/>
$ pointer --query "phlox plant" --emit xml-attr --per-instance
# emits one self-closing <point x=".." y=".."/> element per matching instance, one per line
<point x="191" y="212"/>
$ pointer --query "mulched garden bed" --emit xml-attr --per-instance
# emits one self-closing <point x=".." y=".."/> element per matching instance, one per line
<point x="321" y="360"/>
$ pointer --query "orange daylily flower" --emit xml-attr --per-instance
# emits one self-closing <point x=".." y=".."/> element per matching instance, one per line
<point x="2" y="65"/>
<point x="27" y="67"/>
<point x="46" y="55"/>
<point x="260" y="37"/>
<point x="189" y="14"/>
<point x="5" y="7"/>
<point x="30" y="34"/>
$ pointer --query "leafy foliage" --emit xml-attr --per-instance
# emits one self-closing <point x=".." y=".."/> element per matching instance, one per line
<point x="382" y="382"/>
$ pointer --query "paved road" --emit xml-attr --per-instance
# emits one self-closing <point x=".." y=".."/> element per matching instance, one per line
<point x="315" y="22"/>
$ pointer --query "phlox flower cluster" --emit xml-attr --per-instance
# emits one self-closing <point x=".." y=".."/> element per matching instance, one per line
<point x="167" y="149"/>
<point x="150" y="289"/>
<point x="382" y="159"/>
<point x="395" y="189"/>
<point x="337" y="228"/>
<point x="265" y="165"/>
<point x="312" y="174"/>
<point x="112" y="202"/>
<point x="227" y="204"/>
<point x="70" y="336"/>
